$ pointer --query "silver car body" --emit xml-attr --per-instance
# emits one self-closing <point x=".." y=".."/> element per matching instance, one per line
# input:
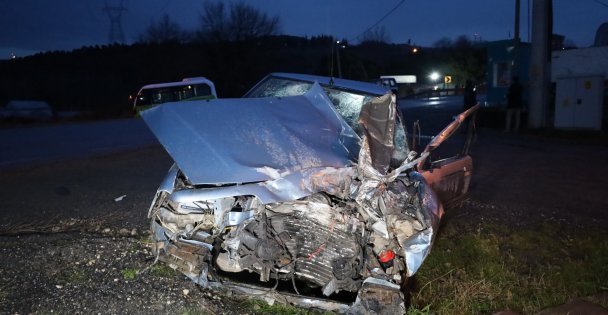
<point x="285" y="188"/>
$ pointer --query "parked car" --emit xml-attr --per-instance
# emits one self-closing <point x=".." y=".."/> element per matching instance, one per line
<point x="391" y="83"/>
<point x="305" y="188"/>
<point x="189" y="89"/>
<point x="26" y="110"/>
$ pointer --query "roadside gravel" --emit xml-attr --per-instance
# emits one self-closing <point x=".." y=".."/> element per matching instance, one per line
<point x="95" y="273"/>
<point x="69" y="247"/>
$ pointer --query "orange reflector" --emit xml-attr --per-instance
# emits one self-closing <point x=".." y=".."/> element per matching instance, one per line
<point x="386" y="256"/>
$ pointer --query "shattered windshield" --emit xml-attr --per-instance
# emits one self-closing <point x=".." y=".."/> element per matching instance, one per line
<point x="280" y="88"/>
<point x="347" y="103"/>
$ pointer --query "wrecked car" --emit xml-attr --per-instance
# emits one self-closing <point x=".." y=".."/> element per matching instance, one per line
<point x="303" y="191"/>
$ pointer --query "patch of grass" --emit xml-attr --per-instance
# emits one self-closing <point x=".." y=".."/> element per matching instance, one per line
<point x="525" y="271"/>
<point x="73" y="276"/>
<point x="261" y="307"/>
<point x="62" y="243"/>
<point x="129" y="273"/>
<point x="144" y="239"/>
<point x="4" y="293"/>
<point x="134" y="247"/>
<point x="193" y="311"/>
<point x="162" y="270"/>
<point x="8" y="244"/>
<point x="416" y="311"/>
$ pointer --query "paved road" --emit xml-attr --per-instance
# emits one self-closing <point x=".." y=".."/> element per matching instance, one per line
<point x="78" y="169"/>
<point x="33" y="145"/>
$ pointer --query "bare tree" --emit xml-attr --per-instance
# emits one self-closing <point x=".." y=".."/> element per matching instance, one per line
<point x="240" y="22"/>
<point x="463" y="42"/>
<point x="214" y="22"/>
<point x="161" y="32"/>
<point x="444" y="42"/>
<point x="376" y="35"/>
<point x="465" y="60"/>
<point x="247" y="22"/>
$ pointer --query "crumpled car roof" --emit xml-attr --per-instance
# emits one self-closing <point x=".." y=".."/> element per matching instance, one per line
<point x="253" y="139"/>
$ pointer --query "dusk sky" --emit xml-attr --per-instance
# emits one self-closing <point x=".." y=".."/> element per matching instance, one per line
<point x="30" y="26"/>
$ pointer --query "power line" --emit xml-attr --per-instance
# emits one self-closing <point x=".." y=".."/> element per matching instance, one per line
<point x="381" y="19"/>
<point x="606" y="5"/>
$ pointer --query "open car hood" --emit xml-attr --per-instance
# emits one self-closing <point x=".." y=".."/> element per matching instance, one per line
<point x="253" y="139"/>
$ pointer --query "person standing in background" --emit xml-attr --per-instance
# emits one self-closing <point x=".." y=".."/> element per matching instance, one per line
<point x="514" y="105"/>
<point x="470" y="96"/>
<point x="470" y="99"/>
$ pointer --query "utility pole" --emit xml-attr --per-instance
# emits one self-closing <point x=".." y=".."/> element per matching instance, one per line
<point x="540" y="70"/>
<point x="517" y="10"/>
<point x="516" y="40"/>
<point x="338" y="56"/>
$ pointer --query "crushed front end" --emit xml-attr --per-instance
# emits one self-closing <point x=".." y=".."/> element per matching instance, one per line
<point x="362" y="228"/>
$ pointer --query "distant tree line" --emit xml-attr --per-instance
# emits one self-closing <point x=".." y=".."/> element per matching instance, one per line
<point x="219" y="22"/>
<point x="235" y="47"/>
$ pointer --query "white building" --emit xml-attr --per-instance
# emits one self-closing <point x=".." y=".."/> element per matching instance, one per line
<point x="580" y="76"/>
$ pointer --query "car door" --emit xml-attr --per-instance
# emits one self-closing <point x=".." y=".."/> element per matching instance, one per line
<point x="449" y="174"/>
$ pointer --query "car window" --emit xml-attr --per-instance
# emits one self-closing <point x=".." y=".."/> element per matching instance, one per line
<point x="159" y="95"/>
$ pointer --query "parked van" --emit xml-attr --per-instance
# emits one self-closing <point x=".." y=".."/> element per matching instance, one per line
<point x="198" y="88"/>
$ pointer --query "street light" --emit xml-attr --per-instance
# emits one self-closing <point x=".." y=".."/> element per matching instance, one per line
<point x="434" y="76"/>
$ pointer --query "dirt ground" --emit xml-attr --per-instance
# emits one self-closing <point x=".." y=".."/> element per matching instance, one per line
<point x="74" y="233"/>
<point x="541" y="178"/>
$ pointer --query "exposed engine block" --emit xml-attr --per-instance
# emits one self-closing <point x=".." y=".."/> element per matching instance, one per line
<point x="311" y="240"/>
<point x="325" y="252"/>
